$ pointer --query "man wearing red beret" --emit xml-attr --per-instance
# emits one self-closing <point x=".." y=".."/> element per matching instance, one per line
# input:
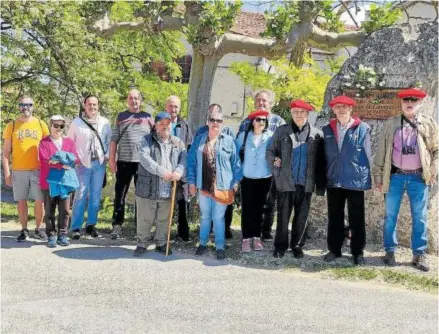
<point x="264" y="100"/>
<point x="407" y="161"/>
<point x="293" y="156"/>
<point x="347" y="154"/>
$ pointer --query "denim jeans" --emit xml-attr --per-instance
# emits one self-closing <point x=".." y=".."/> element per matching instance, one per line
<point x="211" y="210"/>
<point x="417" y="192"/>
<point x="90" y="187"/>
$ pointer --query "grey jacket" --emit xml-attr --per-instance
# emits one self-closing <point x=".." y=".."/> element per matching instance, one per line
<point x="282" y="145"/>
<point x="150" y="171"/>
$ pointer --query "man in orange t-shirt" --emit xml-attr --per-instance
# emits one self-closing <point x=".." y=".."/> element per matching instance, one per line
<point x="21" y="139"/>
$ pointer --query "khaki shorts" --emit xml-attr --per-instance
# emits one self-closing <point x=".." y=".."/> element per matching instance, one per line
<point x="26" y="185"/>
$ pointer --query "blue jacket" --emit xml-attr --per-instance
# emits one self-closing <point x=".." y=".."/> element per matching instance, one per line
<point x="228" y="165"/>
<point x="255" y="165"/>
<point x="63" y="181"/>
<point x="348" y="168"/>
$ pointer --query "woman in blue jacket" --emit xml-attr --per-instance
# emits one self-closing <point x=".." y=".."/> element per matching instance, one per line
<point x="214" y="170"/>
<point x="255" y="186"/>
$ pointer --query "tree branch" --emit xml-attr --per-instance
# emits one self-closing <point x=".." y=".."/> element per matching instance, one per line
<point x="259" y="47"/>
<point x="329" y="40"/>
<point x="18" y="79"/>
<point x="106" y="30"/>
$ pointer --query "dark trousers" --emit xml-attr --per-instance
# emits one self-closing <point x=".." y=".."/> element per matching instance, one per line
<point x="356" y="215"/>
<point x="268" y="218"/>
<point x="286" y="201"/>
<point x="254" y="194"/>
<point x="125" y="173"/>
<point x="183" y="225"/>
<point x="50" y="205"/>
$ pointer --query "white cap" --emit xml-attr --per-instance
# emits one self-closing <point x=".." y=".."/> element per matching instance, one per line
<point x="57" y="118"/>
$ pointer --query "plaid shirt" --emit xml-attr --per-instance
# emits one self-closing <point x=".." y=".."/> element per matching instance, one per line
<point x="274" y="121"/>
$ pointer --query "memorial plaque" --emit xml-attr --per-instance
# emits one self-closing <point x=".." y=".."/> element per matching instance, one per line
<point x="376" y="104"/>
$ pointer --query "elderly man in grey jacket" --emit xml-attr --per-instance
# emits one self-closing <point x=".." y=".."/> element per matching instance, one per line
<point x="162" y="160"/>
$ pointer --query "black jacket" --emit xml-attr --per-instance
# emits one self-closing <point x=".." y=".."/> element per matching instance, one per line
<point x="281" y="146"/>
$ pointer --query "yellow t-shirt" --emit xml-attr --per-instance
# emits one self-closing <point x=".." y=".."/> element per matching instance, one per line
<point x="25" y="141"/>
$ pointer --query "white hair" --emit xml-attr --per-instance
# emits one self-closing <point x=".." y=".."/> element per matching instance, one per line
<point x="270" y="94"/>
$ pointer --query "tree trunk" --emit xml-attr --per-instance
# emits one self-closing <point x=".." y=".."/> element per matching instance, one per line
<point x="200" y="87"/>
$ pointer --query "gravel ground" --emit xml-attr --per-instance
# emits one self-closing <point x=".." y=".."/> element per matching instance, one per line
<point x="91" y="287"/>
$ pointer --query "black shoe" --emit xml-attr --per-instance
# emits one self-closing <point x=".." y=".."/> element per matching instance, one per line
<point x="358" y="260"/>
<point x="139" y="251"/>
<point x="298" y="253"/>
<point x="220" y="254"/>
<point x="266" y="236"/>
<point x="420" y="262"/>
<point x="41" y="234"/>
<point x="76" y="234"/>
<point x="24" y="235"/>
<point x="91" y="231"/>
<point x="278" y="254"/>
<point x="389" y="259"/>
<point x="200" y="250"/>
<point x="330" y="257"/>
<point x="116" y="232"/>
<point x="162" y="249"/>
<point x="229" y="234"/>
<point x="184" y="238"/>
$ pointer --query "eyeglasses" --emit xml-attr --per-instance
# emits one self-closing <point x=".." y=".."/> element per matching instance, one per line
<point x="410" y="99"/>
<point x="260" y="120"/>
<point x="59" y="126"/>
<point x="25" y="105"/>
<point x="217" y="121"/>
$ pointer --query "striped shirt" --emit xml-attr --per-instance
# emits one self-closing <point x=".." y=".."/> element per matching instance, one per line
<point x="128" y="132"/>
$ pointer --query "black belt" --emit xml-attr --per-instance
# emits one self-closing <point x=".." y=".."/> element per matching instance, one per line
<point x="396" y="170"/>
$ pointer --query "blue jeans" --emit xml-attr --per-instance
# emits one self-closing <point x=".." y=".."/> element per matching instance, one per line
<point x="211" y="210"/>
<point x="90" y="187"/>
<point x="417" y="192"/>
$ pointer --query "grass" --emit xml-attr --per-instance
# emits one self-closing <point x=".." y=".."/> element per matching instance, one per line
<point x="411" y="281"/>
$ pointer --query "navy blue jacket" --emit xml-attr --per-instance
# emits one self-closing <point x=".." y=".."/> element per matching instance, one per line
<point x="348" y="168"/>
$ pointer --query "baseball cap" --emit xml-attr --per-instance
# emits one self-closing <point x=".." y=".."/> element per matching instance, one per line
<point x="161" y="116"/>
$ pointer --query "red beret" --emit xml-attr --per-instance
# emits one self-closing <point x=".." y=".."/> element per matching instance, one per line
<point x="411" y="92"/>
<point x="258" y="113"/>
<point x="301" y="104"/>
<point x="342" y="99"/>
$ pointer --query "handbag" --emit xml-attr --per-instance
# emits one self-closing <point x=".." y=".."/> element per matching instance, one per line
<point x="104" y="183"/>
<point x="226" y="197"/>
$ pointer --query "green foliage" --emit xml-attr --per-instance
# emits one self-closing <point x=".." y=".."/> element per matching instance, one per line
<point x="49" y="54"/>
<point x="334" y="64"/>
<point x="280" y="22"/>
<point x="215" y="19"/>
<point x="381" y="17"/>
<point x="288" y="82"/>
<point x="332" y="21"/>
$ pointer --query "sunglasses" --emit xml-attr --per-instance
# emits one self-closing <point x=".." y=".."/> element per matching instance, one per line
<point x="217" y="121"/>
<point x="25" y="105"/>
<point x="410" y="99"/>
<point x="260" y="120"/>
<point x="59" y="126"/>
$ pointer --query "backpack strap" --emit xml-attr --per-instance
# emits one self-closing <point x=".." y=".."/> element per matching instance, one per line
<point x="96" y="133"/>
<point x="242" y="150"/>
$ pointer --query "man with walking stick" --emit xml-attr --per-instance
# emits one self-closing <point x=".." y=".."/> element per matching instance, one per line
<point x="162" y="163"/>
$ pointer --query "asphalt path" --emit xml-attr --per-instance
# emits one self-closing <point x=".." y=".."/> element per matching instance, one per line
<point x="95" y="289"/>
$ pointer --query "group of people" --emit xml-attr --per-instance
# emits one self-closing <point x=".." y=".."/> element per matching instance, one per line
<point x="269" y="159"/>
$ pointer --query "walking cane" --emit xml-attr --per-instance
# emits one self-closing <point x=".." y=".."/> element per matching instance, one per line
<point x="171" y="213"/>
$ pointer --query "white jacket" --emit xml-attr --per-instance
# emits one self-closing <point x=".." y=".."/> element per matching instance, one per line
<point x="82" y="135"/>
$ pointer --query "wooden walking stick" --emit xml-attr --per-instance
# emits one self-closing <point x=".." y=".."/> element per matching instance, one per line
<point x="171" y="213"/>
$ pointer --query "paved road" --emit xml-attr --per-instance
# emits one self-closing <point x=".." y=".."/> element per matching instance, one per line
<point x="92" y="289"/>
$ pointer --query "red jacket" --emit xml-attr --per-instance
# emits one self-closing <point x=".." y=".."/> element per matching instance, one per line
<point x="46" y="150"/>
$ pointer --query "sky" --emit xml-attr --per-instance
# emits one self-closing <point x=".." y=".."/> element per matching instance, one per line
<point x="257" y="7"/>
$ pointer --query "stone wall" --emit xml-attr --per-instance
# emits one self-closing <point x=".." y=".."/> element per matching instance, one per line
<point x="410" y="56"/>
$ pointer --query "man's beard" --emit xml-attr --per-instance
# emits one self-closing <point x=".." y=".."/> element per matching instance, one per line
<point x="26" y="113"/>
